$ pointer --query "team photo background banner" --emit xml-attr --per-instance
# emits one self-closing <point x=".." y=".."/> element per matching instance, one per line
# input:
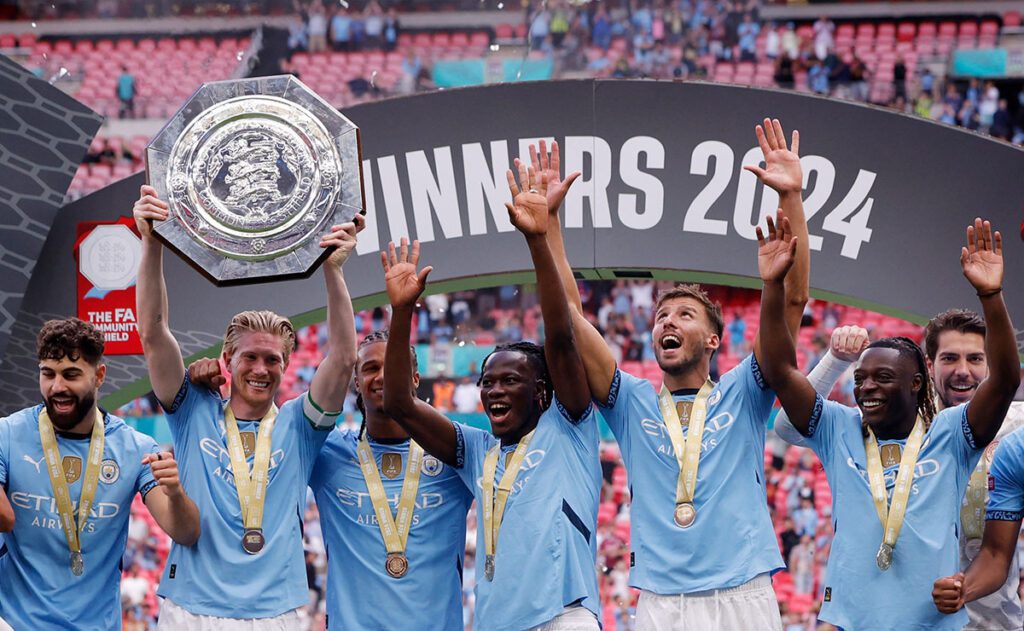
<point x="663" y="195"/>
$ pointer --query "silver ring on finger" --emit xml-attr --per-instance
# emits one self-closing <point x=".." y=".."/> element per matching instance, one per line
<point x="533" y="190"/>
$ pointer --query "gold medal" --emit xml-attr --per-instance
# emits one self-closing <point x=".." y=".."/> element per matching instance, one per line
<point x="685" y="514"/>
<point x="494" y="500"/>
<point x="687" y="449"/>
<point x="394" y="529"/>
<point x="891" y="515"/>
<point x="396" y="564"/>
<point x="253" y="541"/>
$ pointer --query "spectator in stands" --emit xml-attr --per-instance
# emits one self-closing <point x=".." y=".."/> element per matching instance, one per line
<point x="540" y="21"/>
<point x="126" y="93"/>
<point x="316" y="26"/>
<point x="817" y="78"/>
<point x="466" y="398"/>
<point x="801" y="565"/>
<point x="341" y="29"/>
<point x="444" y="391"/>
<point x="989" y="103"/>
<point x="748" y="31"/>
<point x="738" y="334"/>
<point x="805" y="518"/>
<point x="784" y="75"/>
<point x="899" y="79"/>
<point x="791" y="41"/>
<point x="1002" y="122"/>
<point x="772" y="42"/>
<point x="373" y="24"/>
<point x="601" y="33"/>
<point x="559" y="26"/>
<point x="823" y="37"/>
<point x="788" y="537"/>
<point x="391" y="29"/>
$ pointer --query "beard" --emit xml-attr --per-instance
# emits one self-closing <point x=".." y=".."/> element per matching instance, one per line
<point x="683" y="363"/>
<point x="66" y="421"/>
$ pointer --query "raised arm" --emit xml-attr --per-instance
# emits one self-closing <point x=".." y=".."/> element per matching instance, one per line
<point x="982" y="263"/>
<point x="782" y="173"/>
<point x="163" y="357"/>
<point x="174" y="511"/>
<point x="529" y="214"/>
<point x="778" y="353"/>
<point x="6" y="512"/>
<point x="330" y="383"/>
<point x="597" y="359"/>
<point x="845" y="347"/>
<point x="428" y="427"/>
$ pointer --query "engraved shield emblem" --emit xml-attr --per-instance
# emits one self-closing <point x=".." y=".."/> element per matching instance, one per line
<point x="72" y="466"/>
<point x="255" y="171"/>
<point x="391" y="465"/>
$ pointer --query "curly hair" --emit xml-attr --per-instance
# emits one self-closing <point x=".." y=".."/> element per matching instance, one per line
<point x="907" y="347"/>
<point x="71" y="338"/>
<point x="534" y="354"/>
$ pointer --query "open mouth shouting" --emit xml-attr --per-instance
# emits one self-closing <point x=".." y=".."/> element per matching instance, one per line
<point x="498" y="412"/>
<point x="63" y="403"/>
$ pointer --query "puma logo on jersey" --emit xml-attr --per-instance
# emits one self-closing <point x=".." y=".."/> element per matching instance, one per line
<point x="35" y="463"/>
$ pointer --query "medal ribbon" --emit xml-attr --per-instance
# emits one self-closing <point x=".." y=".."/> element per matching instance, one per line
<point x="892" y="516"/>
<point x="394" y="529"/>
<point x="494" y="507"/>
<point x="252" y="487"/>
<point x="972" y="511"/>
<point x="59" y="482"/>
<point x="688" y="453"/>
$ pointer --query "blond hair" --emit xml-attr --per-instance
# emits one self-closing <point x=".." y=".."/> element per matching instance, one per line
<point x="260" y="322"/>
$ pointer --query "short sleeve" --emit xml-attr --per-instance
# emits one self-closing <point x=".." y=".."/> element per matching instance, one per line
<point x="471" y="447"/>
<point x="311" y="437"/>
<point x="1005" y="486"/>
<point x="5" y="449"/>
<point x="145" y="482"/>
<point x="181" y="408"/>
<point x="616" y="409"/>
<point x="826" y="425"/>
<point x="756" y="392"/>
<point x="967" y="451"/>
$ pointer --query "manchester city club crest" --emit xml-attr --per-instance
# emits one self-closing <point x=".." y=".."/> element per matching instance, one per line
<point x="432" y="466"/>
<point x="715" y="397"/>
<point x="109" y="471"/>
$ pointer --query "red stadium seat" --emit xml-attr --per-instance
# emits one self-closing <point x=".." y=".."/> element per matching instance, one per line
<point x="1012" y="19"/>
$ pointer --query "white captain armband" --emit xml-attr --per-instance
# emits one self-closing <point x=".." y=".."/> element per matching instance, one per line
<point x="316" y="415"/>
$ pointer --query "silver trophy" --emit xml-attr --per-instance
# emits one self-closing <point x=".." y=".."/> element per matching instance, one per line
<point x="255" y="171"/>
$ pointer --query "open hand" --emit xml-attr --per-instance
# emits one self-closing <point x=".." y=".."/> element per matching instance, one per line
<point x="149" y="208"/>
<point x="848" y="342"/>
<point x="948" y="593"/>
<point x="782" y="170"/>
<point x="343" y="239"/>
<point x="982" y="259"/>
<point x="206" y="372"/>
<point x="404" y="284"/>
<point x="557" y="187"/>
<point x="775" y="255"/>
<point x="529" y="208"/>
<point x="165" y="471"/>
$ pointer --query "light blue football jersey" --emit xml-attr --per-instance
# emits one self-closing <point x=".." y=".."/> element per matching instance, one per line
<point x="360" y="593"/>
<point x="216" y="577"/>
<point x="39" y="590"/>
<point x="547" y="549"/>
<point x="858" y="595"/>
<point x="732" y="539"/>
<point x="1006" y="479"/>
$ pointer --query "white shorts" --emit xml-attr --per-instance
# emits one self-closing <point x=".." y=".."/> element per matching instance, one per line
<point x="4" y="626"/>
<point x="174" y="618"/>
<point x="751" y="605"/>
<point x="574" y="618"/>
